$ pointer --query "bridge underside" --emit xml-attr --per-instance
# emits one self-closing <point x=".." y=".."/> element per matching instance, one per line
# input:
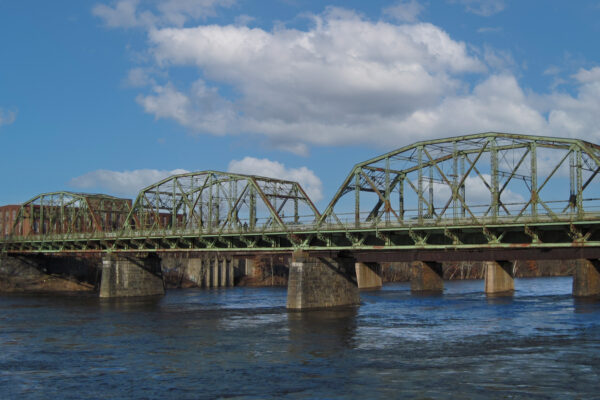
<point x="490" y="197"/>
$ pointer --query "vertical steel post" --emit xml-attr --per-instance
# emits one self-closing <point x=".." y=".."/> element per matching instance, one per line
<point x="252" y="208"/>
<point x="455" y="181"/>
<point x="579" y="187"/>
<point x="387" y="191"/>
<point x="572" y="183"/>
<point x="218" y="205"/>
<point x="173" y="210"/>
<point x="463" y="191"/>
<point x="401" y="196"/>
<point x="494" y="177"/>
<point x="210" y="202"/>
<point x="534" y="193"/>
<point x="357" y="198"/>
<point x="296" y="211"/>
<point x="420" y="184"/>
<point x="430" y="209"/>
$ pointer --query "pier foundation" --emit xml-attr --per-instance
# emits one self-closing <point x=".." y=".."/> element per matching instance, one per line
<point x="586" y="278"/>
<point x="321" y="282"/>
<point x="498" y="277"/>
<point x="426" y="277"/>
<point x="125" y="276"/>
<point x="368" y="275"/>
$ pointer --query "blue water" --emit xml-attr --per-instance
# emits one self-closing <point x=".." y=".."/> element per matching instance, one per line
<point x="241" y="343"/>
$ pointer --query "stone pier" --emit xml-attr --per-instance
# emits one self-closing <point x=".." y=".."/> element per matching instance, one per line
<point x="126" y="276"/>
<point x="368" y="275"/>
<point x="230" y="272"/>
<point x="249" y="269"/>
<point x="426" y="277"/>
<point x="207" y="273"/>
<point x="223" y="272"/>
<point x="498" y="277"/>
<point x="586" y="278"/>
<point x="321" y="282"/>
<point x="195" y="270"/>
<point x="215" y="272"/>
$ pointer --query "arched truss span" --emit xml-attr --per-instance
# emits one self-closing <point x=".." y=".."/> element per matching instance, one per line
<point x="64" y="213"/>
<point x="213" y="202"/>
<point x="476" y="179"/>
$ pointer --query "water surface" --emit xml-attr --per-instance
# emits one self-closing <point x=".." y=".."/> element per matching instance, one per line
<point x="241" y="343"/>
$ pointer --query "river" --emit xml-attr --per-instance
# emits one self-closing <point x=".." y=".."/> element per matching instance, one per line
<point x="241" y="343"/>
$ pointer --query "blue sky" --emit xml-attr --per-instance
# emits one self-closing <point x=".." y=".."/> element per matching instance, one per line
<point x="110" y="96"/>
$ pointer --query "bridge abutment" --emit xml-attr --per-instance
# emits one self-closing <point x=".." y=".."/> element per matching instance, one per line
<point x="368" y="275"/>
<point x="321" y="282"/>
<point x="125" y="276"/>
<point x="499" y="277"/>
<point x="586" y="278"/>
<point x="426" y="277"/>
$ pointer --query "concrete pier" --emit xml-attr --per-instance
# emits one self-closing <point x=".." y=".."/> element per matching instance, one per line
<point x="223" y="272"/>
<point x="249" y="269"/>
<point x="368" y="275"/>
<point x="131" y="276"/>
<point x="215" y="272"/>
<point x="498" y="277"/>
<point x="207" y="272"/>
<point x="195" y="269"/>
<point x="586" y="278"/>
<point x="426" y="277"/>
<point x="230" y="272"/>
<point x="321" y="282"/>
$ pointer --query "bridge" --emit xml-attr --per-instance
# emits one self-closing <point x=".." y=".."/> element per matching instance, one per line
<point x="492" y="197"/>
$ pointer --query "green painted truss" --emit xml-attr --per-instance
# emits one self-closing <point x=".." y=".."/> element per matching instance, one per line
<point x="483" y="191"/>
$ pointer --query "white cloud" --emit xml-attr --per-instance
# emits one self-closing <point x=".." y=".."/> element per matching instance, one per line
<point x="136" y="13"/>
<point x="340" y="82"/>
<point x="484" y="8"/>
<point x="348" y="80"/>
<point x="201" y="108"/>
<point x="7" y="117"/>
<point x="125" y="183"/>
<point x="405" y="11"/>
<point x="311" y="184"/>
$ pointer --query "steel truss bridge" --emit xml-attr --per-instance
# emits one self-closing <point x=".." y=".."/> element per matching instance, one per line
<point x="511" y="195"/>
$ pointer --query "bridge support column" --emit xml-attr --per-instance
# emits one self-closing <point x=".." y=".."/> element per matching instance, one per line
<point x="223" y="272"/>
<point x="230" y="272"/>
<point x="131" y="276"/>
<point x="368" y="275"/>
<point x="215" y="272"/>
<point x="207" y="271"/>
<point x="321" y="282"/>
<point x="426" y="277"/>
<point x="249" y="267"/>
<point x="498" y="277"/>
<point x="586" y="278"/>
<point x="195" y="270"/>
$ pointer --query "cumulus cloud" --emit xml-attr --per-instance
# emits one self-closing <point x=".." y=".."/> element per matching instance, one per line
<point x="405" y="11"/>
<point x="340" y="82"/>
<point x="484" y="8"/>
<point x="7" y="117"/>
<point x="347" y="80"/>
<point x="311" y="184"/>
<point x="148" y="13"/>
<point x="121" y="183"/>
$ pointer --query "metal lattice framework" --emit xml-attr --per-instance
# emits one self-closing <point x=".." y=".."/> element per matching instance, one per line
<point x="211" y="201"/>
<point x="67" y="213"/>
<point x="476" y="194"/>
<point x="478" y="179"/>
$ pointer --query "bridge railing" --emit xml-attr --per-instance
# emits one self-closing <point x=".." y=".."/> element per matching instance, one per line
<point x="344" y="222"/>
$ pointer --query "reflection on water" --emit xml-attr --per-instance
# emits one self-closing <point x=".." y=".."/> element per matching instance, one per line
<point x="242" y="343"/>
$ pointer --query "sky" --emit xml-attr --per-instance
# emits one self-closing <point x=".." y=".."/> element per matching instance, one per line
<point x="112" y="96"/>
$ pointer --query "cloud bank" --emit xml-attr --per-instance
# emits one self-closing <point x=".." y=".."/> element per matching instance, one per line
<point x="347" y="80"/>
